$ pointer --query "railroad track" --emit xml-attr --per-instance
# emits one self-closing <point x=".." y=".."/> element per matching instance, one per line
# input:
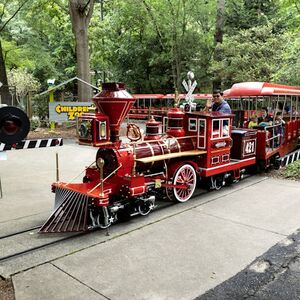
<point x="19" y="232"/>
<point x="19" y="243"/>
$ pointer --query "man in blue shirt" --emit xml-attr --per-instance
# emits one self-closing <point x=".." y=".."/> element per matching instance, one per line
<point x="219" y="104"/>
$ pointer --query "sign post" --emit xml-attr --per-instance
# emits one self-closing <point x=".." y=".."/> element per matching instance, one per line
<point x="189" y="87"/>
<point x="51" y="99"/>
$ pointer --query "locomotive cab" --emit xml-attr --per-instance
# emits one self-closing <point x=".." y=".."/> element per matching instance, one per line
<point x="213" y="130"/>
<point x="227" y="152"/>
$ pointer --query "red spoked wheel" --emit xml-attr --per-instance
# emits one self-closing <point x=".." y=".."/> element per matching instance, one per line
<point x="185" y="176"/>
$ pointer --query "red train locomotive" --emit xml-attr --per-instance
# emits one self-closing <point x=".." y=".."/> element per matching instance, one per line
<point x="126" y="178"/>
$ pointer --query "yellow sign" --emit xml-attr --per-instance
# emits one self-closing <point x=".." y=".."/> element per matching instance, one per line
<point x="67" y="111"/>
<point x="72" y="111"/>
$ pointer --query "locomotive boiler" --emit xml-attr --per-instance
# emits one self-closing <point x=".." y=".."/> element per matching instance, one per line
<point x="125" y="179"/>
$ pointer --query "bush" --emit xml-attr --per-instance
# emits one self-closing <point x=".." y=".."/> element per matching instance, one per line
<point x="40" y="108"/>
<point x="292" y="171"/>
<point x="35" y="123"/>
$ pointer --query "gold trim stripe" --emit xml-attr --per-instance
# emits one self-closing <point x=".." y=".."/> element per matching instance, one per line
<point x="146" y="160"/>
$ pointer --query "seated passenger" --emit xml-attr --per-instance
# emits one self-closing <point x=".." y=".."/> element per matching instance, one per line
<point x="295" y="112"/>
<point x="265" y="124"/>
<point x="265" y="116"/>
<point x="253" y="121"/>
<point x="279" y="129"/>
<point x="265" y="119"/>
<point x="278" y="118"/>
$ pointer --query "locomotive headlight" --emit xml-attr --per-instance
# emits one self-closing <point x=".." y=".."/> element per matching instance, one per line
<point x="84" y="129"/>
<point x="103" y="129"/>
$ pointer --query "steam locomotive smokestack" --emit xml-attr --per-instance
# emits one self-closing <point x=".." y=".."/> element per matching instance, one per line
<point x="115" y="102"/>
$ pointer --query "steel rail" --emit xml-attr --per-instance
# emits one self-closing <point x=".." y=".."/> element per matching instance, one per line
<point x="19" y="232"/>
<point x="8" y="257"/>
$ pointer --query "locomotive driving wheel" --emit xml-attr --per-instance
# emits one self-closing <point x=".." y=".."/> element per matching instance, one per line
<point x="184" y="176"/>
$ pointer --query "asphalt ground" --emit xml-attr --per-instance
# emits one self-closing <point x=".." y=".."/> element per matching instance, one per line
<point x="214" y="245"/>
<point x="274" y="275"/>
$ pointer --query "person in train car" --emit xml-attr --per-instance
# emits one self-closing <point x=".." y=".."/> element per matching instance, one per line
<point x="278" y="118"/>
<point x="218" y="103"/>
<point x="253" y="121"/>
<point x="279" y="129"/>
<point x="295" y="112"/>
<point x="265" y="119"/>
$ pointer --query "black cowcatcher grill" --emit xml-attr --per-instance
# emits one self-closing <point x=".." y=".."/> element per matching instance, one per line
<point x="70" y="212"/>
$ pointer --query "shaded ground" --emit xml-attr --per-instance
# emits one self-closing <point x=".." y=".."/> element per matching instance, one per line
<point x="6" y="289"/>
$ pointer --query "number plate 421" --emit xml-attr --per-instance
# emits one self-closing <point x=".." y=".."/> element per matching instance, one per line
<point x="249" y="147"/>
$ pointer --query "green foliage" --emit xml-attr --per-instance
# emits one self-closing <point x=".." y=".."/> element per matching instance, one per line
<point x="23" y="82"/>
<point x="292" y="171"/>
<point x="40" y="39"/>
<point x="289" y="14"/>
<point x="35" y="123"/>
<point x="250" y="55"/>
<point x="151" y="44"/>
<point x="290" y="65"/>
<point x="40" y="108"/>
<point x="245" y="14"/>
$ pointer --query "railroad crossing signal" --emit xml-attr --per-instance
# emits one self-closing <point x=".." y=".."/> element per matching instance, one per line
<point x="189" y="86"/>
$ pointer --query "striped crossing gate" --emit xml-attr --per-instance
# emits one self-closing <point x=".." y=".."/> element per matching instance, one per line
<point x="31" y="144"/>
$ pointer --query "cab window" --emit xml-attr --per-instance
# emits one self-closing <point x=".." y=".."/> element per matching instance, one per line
<point x="220" y="128"/>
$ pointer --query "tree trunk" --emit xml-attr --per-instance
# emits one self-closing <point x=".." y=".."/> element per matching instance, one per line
<point x="81" y="12"/>
<point x="217" y="83"/>
<point x="5" y="97"/>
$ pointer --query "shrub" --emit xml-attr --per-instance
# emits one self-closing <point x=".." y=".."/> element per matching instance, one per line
<point x="292" y="170"/>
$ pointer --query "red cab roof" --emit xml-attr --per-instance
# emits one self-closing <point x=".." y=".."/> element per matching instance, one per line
<point x="260" y="89"/>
